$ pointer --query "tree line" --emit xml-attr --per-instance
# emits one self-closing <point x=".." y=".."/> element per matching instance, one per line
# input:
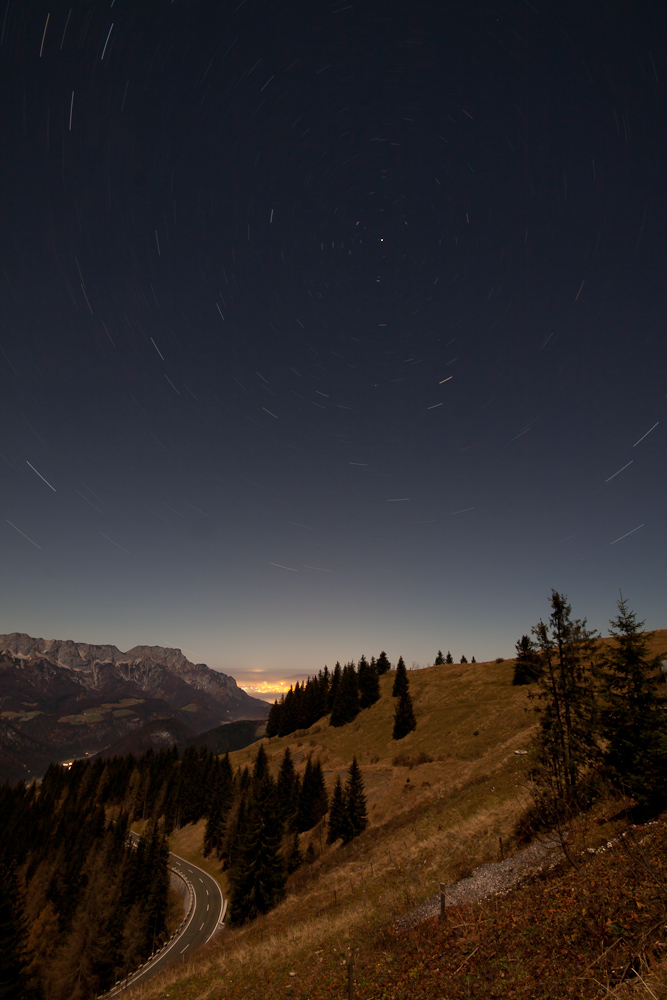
<point x="81" y="907"/>
<point x="602" y="711"/>
<point x="441" y="659"/>
<point x="343" y="693"/>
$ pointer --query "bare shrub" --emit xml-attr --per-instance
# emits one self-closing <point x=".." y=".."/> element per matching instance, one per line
<point x="411" y="760"/>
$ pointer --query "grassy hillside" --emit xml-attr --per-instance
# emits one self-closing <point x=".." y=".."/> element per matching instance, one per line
<point x="440" y="802"/>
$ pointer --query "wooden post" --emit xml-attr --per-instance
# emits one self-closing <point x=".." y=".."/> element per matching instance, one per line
<point x="443" y="901"/>
<point x="350" y="980"/>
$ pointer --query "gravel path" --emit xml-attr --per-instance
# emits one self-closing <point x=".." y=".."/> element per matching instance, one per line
<point x="488" y="880"/>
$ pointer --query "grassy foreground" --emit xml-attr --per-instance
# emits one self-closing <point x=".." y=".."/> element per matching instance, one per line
<point x="440" y="802"/>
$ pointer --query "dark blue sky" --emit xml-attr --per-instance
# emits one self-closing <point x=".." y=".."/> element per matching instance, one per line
<point x="328" y="328"/>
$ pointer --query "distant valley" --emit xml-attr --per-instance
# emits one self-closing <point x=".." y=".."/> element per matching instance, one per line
<point x="61" y="699"/>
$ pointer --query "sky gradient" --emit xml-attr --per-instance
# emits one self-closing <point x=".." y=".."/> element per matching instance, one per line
<point x="331" y="328"/>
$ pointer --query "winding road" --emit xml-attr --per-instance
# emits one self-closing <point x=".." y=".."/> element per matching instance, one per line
<point x="205" y="912"/>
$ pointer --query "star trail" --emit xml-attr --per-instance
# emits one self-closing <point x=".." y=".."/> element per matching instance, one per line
<point x="331" y="328"/>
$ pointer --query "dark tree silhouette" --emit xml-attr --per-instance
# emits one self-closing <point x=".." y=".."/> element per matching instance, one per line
<point x="449" y="658"/>
<point x="633" y="712"/>
<point x="439" y="660"/>
<point x="527" y="662"/>
<point x="401" y="679"/>
<point x="383" y="663"/>
<point x="356" y="819"/>
<point x="346" y="701"/>
<point x="258" y="877"/>
<point x="337" y="813"/>
<point x="369" y="684"/>
<point x="313" y="803"/>
<point x="566" y="743"/>
<point x="404" y="717"/>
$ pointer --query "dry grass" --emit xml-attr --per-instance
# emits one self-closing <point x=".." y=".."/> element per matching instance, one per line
<point x="430" y="822"/>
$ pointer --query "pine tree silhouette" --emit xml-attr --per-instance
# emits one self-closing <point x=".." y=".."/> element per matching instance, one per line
<point x="295" y="857"/>
<point x="313" y="803"/>
<point x="356" y="819"/>
<point x="401" y="679"/>
<point x="369" y="684"/>
<point x="337" y="813"/>
<point x="383" y="663"/>
<point x="404" y="717"/>
<point x="633" y="712"/>
<point x="346" y="701"/>
<point x="258" y="877"/>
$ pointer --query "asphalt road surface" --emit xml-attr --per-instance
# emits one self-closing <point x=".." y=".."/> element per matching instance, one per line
<point x="206" y="917"/>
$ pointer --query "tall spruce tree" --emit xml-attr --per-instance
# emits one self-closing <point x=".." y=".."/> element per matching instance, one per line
<point x="404" y="717"/>
<point x="334" y="686"/>
<point x="295" y="857"/>
<point x="369" y="684"/>
<point x="383" y="664"/>
<point x="439" y="660"/>
<point x="356" y="818"/>
<point x="337" y="813"/>
<point x="346" y="701"/>
<point x="566" y="739"/>
<point x="401" y="679"/>
<point x="449" y="658"/>
<point x="257" y="879"/>
<point x="313" y="802"/>
<point x="288" y="787"/>
<point x="633" y="712"/>
<point x="527" y="662"/>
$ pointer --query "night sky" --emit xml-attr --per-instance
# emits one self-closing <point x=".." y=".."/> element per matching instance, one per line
<point x="329" y="328"/>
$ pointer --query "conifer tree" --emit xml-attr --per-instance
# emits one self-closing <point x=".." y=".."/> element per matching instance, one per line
<point x="295" y="857"/>
<point x="273" y="720"/>
<point x="337" y="813"/>
<point x="404" y="717"/>
<point x="527" y="662"/>
<point x="383" y="664"/>
<point x="356" y="819"/>
<point x="257" y="879"/>
<point x="439" y="660"/>
<point x="633" y="712"/>
<point x="463" y="658"/>
<point x="401" y="679"/>
<point x="449" y="658"/>
<point x="334" y="685"/>
<point x="346" y="701"/>
<point x="313" y="803"/>
<point x="565" y="742"/>
<point x="288" y="787"/>
<point x="369" y="684"/>
<point x="260" y="771"/>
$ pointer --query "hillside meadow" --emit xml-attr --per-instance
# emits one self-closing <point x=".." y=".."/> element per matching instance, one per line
<point x="441" y="801"/>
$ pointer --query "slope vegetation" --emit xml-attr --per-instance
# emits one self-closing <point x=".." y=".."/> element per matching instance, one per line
<point x="442" y="801"/>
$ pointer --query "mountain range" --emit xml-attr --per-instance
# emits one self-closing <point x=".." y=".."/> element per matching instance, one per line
<point x="61" y="699"/>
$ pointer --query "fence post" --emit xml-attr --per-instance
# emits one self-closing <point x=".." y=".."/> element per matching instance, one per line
<point x="443" y="901"/>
